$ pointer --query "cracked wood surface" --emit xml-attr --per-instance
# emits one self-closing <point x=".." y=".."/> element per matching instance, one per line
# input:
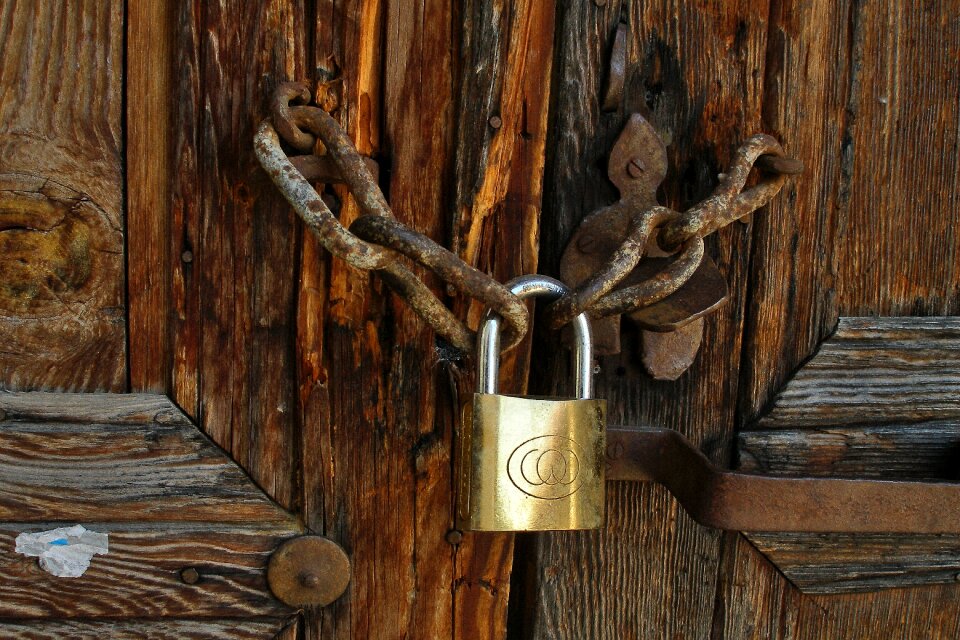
<point x="61" y="184"/>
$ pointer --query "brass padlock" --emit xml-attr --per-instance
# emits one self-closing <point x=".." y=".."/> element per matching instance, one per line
<point x="528" y="463"/>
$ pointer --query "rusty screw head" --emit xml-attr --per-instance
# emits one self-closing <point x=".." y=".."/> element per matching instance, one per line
<point x="636" y="168"/>
<point x="454" y="537"/>
<point x="190" y="575"/>
<point x="187" y="256"/>
<point x="308" y="570"/>
<point x="495" y="122"/>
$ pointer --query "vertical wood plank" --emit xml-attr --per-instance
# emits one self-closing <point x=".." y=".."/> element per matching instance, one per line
<point x="151" y="36"/>
<point x="234" y="239"/>
<point x="864" y="93"/>
<point x="61" y="196"/>
<point x="505" y="68"/>
<point x="697" y="72"/>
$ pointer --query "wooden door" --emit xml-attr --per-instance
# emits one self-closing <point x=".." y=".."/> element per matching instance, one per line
<point x="145" y="251"/>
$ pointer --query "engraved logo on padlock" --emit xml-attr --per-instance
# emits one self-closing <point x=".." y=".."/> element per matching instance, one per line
<point x="527" y="463"/>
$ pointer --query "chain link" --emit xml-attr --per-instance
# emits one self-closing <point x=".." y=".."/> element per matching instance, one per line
<point x="376" y="237"/>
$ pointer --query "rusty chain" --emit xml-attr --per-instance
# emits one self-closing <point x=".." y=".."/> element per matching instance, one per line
<point x="373" y="240"/>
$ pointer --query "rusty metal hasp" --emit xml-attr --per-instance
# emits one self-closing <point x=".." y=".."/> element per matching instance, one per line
<point x="744" y="502"/>
<point x="646" y="261"/>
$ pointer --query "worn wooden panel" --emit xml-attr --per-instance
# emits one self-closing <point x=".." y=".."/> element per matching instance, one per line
<point x="837" y="563"/>
<point x="85" y="472"/>
<point x="61" y="186"/>
<point x="236" y="249"/>
<point x="151" y="34"/>
<point x="505" y="68"/>
<point x="696" y="70"/>
<point x="132" y="466"/>
<point x="917" y="451"/>
<point x="874" y="370"/>
<point x="239" y="629"/>
<point x="103" y="408"/>
<point x="863" y="93"/>
<point x="860" y="408"/>
<point x="140" y="576"/>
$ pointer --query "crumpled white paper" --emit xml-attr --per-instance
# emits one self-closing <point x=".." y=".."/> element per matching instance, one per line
<point x="64" y="552"/>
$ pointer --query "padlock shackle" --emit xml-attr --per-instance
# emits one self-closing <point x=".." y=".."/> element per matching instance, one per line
<point x="488" y="337"/>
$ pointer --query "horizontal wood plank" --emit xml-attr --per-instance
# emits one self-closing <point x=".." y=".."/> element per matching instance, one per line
<point x="880" y="399"/>
<point x="128" y="473"/>
<point x="924" y="451"/>
<point x="104" y="408"/>
<point x="875" y="370"/>
<point x="197" y="629"/>
<point x="140" y="575"/>
<point x="841" y="563"/>
<point x="134" y="467"/>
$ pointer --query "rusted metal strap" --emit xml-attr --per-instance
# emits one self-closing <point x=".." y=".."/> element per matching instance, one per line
<point x="374" y="241"/>
<point x="742" y="502"/>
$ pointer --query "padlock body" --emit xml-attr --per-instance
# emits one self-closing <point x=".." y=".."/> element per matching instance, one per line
<point x="531" y="464"/>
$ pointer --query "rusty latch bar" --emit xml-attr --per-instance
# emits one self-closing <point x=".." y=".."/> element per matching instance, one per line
<point x="743" y="502"/>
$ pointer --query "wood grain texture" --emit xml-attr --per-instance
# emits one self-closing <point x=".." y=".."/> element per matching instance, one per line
<point x="505" y="70"/>
<point x="862" y="93"/>
<point x="151" y="34"/>
<point x="198" y="629"/>
<point x="234" y="237"/>
<point x="836" y="563"/>
<point x="874" y="370"/>
<point x="140" y="576"/>
<point x="61" y="185"/>
<point x="861" y="408"/>
<point x="86" y="472"/>
<point x="916" y="451"/>
<point x="696" y="72"/>
<point x="134" y="467"/>
<point x="100" y="408"/>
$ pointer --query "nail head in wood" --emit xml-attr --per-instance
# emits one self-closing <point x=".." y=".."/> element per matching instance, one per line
<point x="190" y="575"/>
<point x="495" y="122"/>
<point x="308" y="570"/>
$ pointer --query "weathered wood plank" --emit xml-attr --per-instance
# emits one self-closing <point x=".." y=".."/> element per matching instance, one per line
<point x="347" y="57"/>
<point x="94" y="472"/>
<point x="695" y="70"/>
<point x="860" y="235"/>
<point x="102" y="408"/>
<point x="836" y="563"/>
<point x="140" y="575"/>
<point x="889" y="376"/>
<point x="166" y="495"/>
<point x="918" y="451"/>
<point x="199" y="629"/>
<point x="505" y="69"/>
<point x="875" y="370"/>
<point x="151" y="34"/>
<point x="245" y="257"/>
<point x="61" y="186"/>
<point x="186" y="189"/>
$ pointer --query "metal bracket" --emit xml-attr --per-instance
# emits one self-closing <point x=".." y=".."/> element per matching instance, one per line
<point x="308" y="571"/>
<point x="743" y="502"/>
<point x="637" y="166"/>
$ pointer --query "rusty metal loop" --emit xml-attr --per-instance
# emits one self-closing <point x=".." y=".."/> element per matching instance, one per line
<point x="373" y="239"/>
<point x="301" y="126"/>
<point x="311" y="207"/>
<point x="728" y="202"/>
<point x="617" y="267"/>
<point x="655" y="288"/>
<point x="463" y="277"/>
<point x="283" y="121"/>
